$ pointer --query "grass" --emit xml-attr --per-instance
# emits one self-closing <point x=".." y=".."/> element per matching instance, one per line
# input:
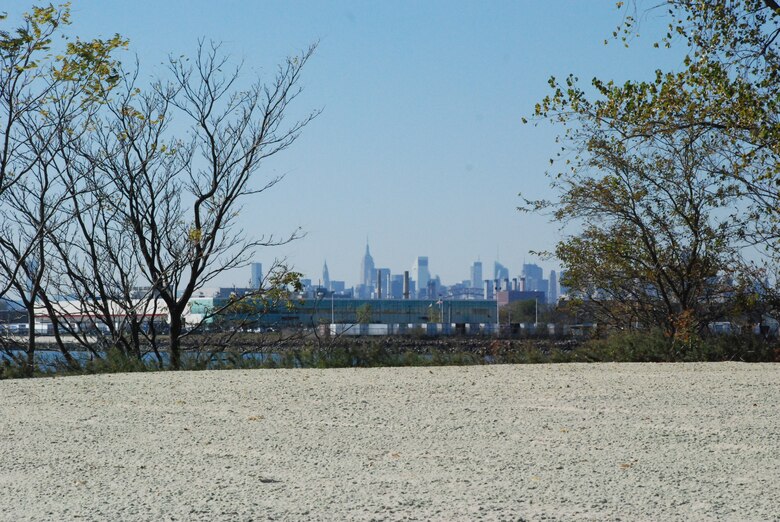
<point x="618" y="347"/>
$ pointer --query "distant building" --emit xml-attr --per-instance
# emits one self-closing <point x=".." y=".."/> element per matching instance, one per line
<point x="534" y="278"/>
<point x="325" y="276"/>
<point x="367" y="273"/>
<point x="510" y="296"/>
<point x="476" y="274"/>
<point x="363" y="292"/>
<point x="420" y="274"/>
<point x="552" y="294"/>
<point x="434" y="287"/>
<point x="384" y="273"/>
<point x="257" y="275"/>
<point x="396" y="290"/>
<point x="500" y="272"/>
<point x="404" y="314"/>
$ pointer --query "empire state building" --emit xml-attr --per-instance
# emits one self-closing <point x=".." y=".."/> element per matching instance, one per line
<point x="367" y="275"/>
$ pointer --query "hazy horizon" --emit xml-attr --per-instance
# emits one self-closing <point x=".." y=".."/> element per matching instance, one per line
<point x="420" y="146"/>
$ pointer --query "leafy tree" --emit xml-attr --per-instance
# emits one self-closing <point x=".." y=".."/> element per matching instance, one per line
<point x="654" y="171"/>
<point x="524" y="312"/>
<point x="364" y="314"/>
<point x="728" y="86"/>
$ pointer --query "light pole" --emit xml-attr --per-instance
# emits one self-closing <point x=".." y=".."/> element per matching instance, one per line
<point x="536" y="312"/>
<point x="498" y="312"/>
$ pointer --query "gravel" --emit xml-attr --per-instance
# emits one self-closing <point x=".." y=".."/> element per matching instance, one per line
<point x="534" y="442"/>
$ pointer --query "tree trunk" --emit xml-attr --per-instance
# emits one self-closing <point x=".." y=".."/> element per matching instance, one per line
<point x="29" y="369"/>
<point x="175" y="340"/>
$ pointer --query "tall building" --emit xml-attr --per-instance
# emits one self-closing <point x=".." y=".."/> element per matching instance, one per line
<point x="476" y="274"/>
<point x="552" y="294"/>
<point x="325" y="276"/>
<point x="256" y="278"/>
<point x="367" y="274"/>
<point x="420" y="274"/>
<point x="534" y="278"/>
<point x="500" y="272"/>
<point x="396" y="286"/>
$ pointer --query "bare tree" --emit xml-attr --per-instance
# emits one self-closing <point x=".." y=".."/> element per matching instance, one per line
<point x="180" y="196"/>
<point x="46" y="101"/>
<point x="34" y="206"/>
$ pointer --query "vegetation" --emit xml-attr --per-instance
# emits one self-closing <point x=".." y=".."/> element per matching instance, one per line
<point x="528" y="311"/>
<point x="666" y="181"/>
<point x="671" y="177"/>
<point x="624" y="346"/>
<point x="124" y="196"/>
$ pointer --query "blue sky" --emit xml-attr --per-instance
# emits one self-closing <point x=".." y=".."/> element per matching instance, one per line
<point x="420" y="146"/>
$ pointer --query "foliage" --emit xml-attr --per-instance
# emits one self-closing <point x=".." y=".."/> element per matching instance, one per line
<point x="104" y="200"/>
<point x="524" y="312"/>
<point x="655" y="240"/>
<point x="728" y="86"/>
<point x="364" y="314"/>
<point x="655" y="346"/>
<point x="116" y="361"/>
<point x="671" y="176"/>
<point x="50" y="88"/>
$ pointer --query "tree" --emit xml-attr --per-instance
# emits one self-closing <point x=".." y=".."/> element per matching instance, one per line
<point x="179" y="196"/>
<point x="728" y="85"/>
<point x="364" y="314"/>
<point x="525" y="311"/>
<point x="653" y="173"/>
<point x="46" y="102"/>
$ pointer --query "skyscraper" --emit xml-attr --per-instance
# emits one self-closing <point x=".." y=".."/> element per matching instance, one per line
<point x="534" y="277"/>
<point x="552" y="294"/>
<point x="500" y="272"/>
<point x="325" y="276"/>
<point x="476" y="274"/>
<point x="256" y="278"/>
<point x="367" y="274"/>
<point x="420" y="274"/>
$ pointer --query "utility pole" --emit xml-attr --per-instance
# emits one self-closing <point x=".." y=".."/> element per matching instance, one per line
<point x="536" y="311"/>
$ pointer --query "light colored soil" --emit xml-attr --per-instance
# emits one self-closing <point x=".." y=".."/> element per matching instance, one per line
<point x="553" y="442"/>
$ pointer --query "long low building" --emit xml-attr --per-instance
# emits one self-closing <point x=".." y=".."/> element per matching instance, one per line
<point x="314" y="312"/>
<point x="403" y="313"/>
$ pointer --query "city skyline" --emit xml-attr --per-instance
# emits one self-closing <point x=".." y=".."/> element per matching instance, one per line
<point x="420" y="144"/>
<point x="374" y="281"/>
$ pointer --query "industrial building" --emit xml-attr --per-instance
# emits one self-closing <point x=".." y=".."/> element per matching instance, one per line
<point x="327" y="310"/>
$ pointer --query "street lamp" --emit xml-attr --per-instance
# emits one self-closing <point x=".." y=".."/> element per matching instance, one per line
<point x="536" y="312"/>
<point x="498" y="312"/>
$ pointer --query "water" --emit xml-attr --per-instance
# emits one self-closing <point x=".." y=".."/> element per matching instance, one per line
<point x="51" y="360"/>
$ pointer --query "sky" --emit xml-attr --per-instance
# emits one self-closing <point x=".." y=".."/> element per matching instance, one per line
<point x="420" y="147"/>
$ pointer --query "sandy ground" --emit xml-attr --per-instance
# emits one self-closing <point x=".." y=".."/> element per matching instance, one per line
<point x="542" y="442"/>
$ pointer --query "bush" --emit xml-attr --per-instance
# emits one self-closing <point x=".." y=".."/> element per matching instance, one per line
<point x="115" y="361"/>
<point x="654" y="346"/>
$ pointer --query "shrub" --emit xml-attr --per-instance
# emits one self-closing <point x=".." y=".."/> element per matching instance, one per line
<point x="115" y="361"/>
